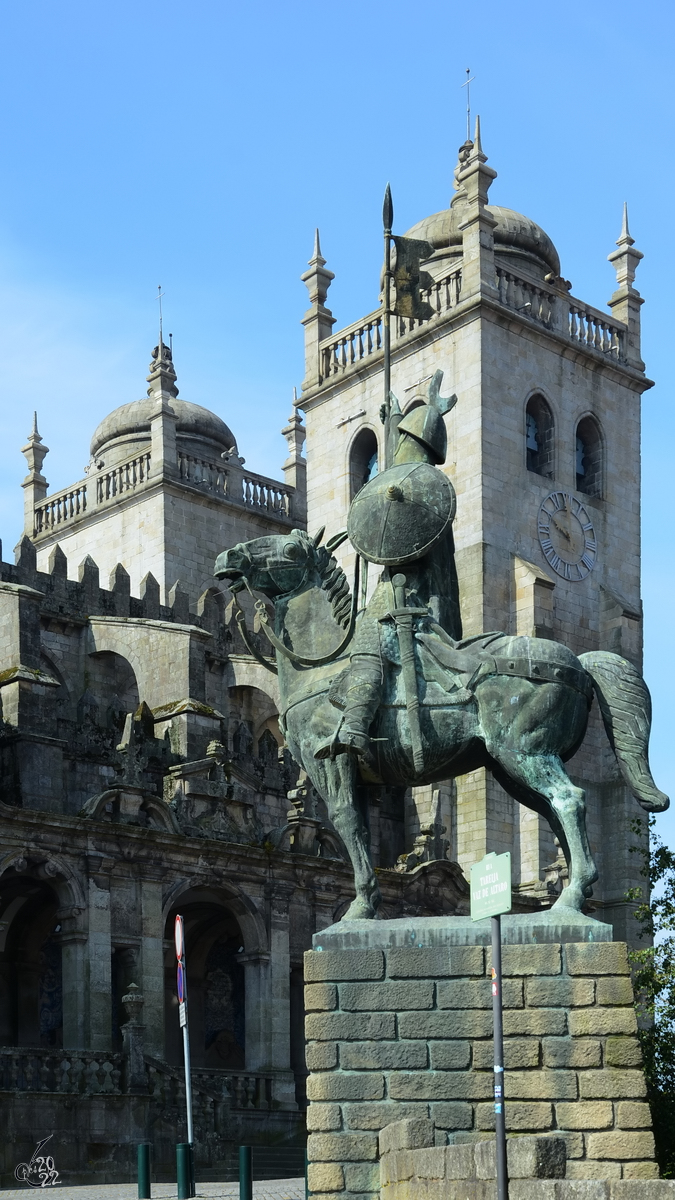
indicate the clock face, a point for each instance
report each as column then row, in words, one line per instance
column 566, row 536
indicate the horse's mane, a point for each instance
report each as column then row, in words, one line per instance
column 334, row 583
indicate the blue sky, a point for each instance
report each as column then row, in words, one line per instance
column 198, row 145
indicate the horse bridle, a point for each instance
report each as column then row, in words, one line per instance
column 299, row 659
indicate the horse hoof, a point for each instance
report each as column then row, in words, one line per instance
column 360, row 910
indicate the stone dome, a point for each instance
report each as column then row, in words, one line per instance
column 131, row 420
column 514, row 234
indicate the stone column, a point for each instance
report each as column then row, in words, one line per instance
column 135, row 1078
column 98, row 952
column 256, row 991
column 279, row 1004
column 152, row 963
column 73, row 941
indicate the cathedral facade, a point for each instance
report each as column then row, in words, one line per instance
column 144, row 772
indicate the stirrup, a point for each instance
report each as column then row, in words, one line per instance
column 344, row 741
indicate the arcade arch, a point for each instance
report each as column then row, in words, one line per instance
column 223, row 934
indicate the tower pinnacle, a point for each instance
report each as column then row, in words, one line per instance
column 318, row 320
column 162, row 377
column 34, row 485
column 626, row 300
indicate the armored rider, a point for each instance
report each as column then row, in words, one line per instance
column 402, row 520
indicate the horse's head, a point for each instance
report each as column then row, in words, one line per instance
column 274, row 565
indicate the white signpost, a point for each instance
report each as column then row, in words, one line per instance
column 490, row 897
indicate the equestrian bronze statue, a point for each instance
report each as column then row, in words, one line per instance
column 395, row 695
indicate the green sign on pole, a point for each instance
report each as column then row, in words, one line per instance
column 491, row 886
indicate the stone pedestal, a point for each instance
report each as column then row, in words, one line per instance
column 399, row 1025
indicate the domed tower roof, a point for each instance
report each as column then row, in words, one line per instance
column 516, row 236
column 514, row 233
column 126, row 426
column 134, row 418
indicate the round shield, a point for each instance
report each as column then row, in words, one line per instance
column 400, row 515
column 180, row 982
column 178, row 937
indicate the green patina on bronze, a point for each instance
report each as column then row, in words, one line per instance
column 407, row 700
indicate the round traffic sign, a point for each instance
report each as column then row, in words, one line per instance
column 180, row 982
column 178, row 937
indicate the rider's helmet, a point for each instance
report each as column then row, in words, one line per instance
column 426, row 425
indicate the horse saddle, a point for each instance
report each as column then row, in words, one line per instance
column 455, row 666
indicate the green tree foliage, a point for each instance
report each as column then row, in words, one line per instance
column 654, row 981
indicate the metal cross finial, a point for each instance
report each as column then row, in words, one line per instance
column 160, row 293
column 467, row 84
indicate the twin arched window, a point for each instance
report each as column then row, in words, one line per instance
column 539, row 447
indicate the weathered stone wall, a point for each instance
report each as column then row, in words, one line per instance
column 407, row 1031
column 411, row 1165
column 173, row 530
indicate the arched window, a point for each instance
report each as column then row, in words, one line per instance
column 539, row 437
column 362, row 460
column 588, row 455
column 268, row 747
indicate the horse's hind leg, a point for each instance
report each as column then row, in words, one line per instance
column 337, row 782
column 545, row 779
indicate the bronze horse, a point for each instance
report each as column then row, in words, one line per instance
column 527, row 715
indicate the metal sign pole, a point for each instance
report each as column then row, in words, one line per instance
column 490, row 897
column 181, row 979
column 500, row 1121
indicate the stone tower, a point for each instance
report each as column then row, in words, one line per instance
column 164, row 487
column 547, row 415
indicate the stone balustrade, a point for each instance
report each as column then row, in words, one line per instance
column 574, row 319
column 125, row 477
column 265, row 495
column 255, row 492
column 202, row 472
column 64, row 506
column 526, row 297
column 592, row 328
column 35, row 1069
column 84, row 1072
column 240, row 1089
column 360, row 341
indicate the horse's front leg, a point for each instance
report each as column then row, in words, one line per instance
column 337, row 782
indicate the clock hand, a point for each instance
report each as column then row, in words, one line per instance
column 561, row 529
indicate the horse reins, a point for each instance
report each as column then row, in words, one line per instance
column 277, row 644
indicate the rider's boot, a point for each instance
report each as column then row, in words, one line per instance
column 362, row 702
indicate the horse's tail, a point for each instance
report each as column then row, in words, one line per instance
column 626, row 709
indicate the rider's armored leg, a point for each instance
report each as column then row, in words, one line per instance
column 362, row 701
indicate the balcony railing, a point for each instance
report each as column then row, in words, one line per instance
column 86, row 1073
column 83, row 1072
column 363, row 339
column 255, row 492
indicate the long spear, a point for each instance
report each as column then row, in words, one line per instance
column 387, row 221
